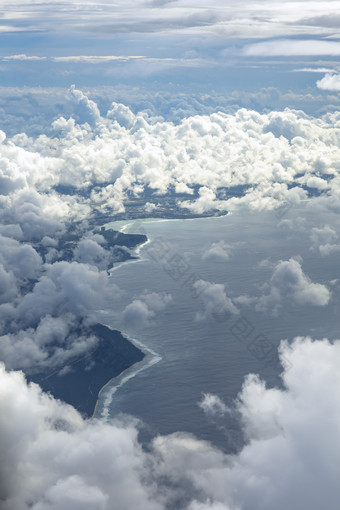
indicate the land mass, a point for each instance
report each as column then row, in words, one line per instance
column 80, row 380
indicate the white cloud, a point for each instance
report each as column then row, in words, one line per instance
column 138, row 313
column 279, row 424
column 323, row 240
column 89, row 251
column 127, row 152
column 55, row 459
column 245, row 19
column 212, row 405
column 289, row 47
column 331, row 81
column 88, row 109
column 96, row 59
column 22, row 56
column 327, row 249
column 50, row 345
column 216, row 303
column 65, row 287
column 218, row 251
column 52, row 457
column 314, row 70
column 288, row 281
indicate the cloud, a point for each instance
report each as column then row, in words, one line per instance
column 138, row 313
column 54, row 180
column 218, row 251
column 290, row 47
column 96, row 59
column 122, row 114
column 212, row 405
column 103, row 153
column 243, row 20
column 87, row 109
column 323, row 239
column 68, row 457
column 51, row 344
column 65, row 287
column 22, row 57
column 329, row 20
column 205, row 201
column 314, row 70
column 279, row 424
column 216, row 304
column 53, row 457
column 288, row 281
column 89, row 251
column 18, row 104
column 12, row 28
column 327, row 249
column 331, row 81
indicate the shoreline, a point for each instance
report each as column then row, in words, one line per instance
column 150, row 358
column 122, row 225
column 81, row 380
column 107, row 392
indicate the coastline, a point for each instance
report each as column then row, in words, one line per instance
column 105, row 395
column 107, row 392
column 80, row 381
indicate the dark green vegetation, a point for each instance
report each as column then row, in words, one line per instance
column 79, row 381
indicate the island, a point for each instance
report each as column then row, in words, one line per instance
column 79, row 381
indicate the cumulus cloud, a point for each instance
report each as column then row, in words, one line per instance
column 87, row 109
column 74, row 463
column 324, row 240
column 288, row 281
column 112, row 156
column 219, row 251
column 98, row 161
column 291, row 458
column 216, row 303
column 279, row 424
column 212, row 405
column 45, row 309
column 49, row 345
column 90, row 251
column 327, row 249
column 53, row 182
column 140, row 311
column 331, row 81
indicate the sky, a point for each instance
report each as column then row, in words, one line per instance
column 224, row 45
column 116, row 99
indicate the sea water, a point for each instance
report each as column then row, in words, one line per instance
column 191, row 353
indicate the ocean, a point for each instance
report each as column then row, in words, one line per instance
column 192, row 349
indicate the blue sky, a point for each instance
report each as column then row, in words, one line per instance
column 224, row 45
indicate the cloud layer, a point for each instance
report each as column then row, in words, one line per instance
column 289, row 282
column 95, row 162
column 278, row 158
column 237, row 20
column 53, row 458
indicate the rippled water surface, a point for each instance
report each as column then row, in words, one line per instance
column 214, row 354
